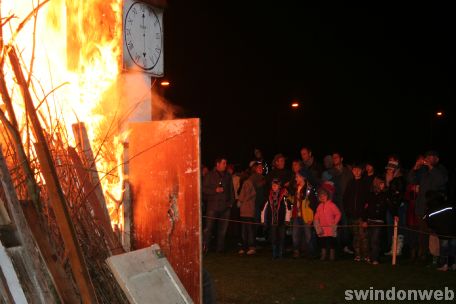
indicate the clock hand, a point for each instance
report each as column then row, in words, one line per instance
column 144, row 35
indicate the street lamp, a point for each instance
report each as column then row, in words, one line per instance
column 436, row 120
column 295, row 103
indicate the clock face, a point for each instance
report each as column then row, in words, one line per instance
column 143, row 35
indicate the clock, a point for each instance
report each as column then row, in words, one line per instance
column 143, row 38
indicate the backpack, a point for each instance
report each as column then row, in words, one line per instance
column 307, row 212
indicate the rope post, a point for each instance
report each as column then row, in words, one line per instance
column 394, row 253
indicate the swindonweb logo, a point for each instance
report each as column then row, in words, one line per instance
column 394, row 294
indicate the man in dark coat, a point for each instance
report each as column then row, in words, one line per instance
column 433, row 178
column 279, row 171
column 219, row 191
column 354, row 201
column 314, row 168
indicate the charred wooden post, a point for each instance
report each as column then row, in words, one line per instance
column 100, row 216
column 86, row 153
column 126, row 202
column 42, row 287
column 56, row 195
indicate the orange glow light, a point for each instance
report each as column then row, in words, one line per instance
column 77, row 77
column 165, row 83
column 295, row 105
column 439, row 113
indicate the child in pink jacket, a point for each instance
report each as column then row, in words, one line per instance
column 325, row 221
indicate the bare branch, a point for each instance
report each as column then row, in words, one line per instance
column 32, row 59
column 1, row 29
column 20, row 27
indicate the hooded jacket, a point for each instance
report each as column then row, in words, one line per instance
column 276, row 208
column 326, row 219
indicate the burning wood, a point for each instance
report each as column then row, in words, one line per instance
column 83, row 145
column 99, row 210
column 66, row 237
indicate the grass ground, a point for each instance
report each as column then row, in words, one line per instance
column 259, row 279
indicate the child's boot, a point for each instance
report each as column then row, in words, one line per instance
column 275, row 251
column 323, row 254
column 332, row 254
column 295, row 254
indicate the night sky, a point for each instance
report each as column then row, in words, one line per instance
column 369, row 80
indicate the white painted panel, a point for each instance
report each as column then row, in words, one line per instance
column 12, row 280
column 146, row 276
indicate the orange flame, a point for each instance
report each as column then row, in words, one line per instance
column 75, row 64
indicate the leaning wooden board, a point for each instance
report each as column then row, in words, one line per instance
column 164, row 174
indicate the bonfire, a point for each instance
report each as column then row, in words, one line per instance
column 62, row 136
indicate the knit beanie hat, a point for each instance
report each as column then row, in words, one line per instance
column 392, row 164
column 328, row 188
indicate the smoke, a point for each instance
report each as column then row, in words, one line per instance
column 134, row 98
column 162, row 109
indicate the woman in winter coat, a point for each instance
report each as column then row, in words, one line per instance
column 251, row 194
column 304, row 204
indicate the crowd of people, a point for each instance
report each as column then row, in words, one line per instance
column 330, row 207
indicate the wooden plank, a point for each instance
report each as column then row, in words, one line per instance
column 100, row 216
column 4, row 217
column 63, row 219
column 18, row 259
column 36, row 268
column 5, row 294
column 62, row 280
column 11, row 288
column 164, row 175
column 9, row 236
column 57, row 198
